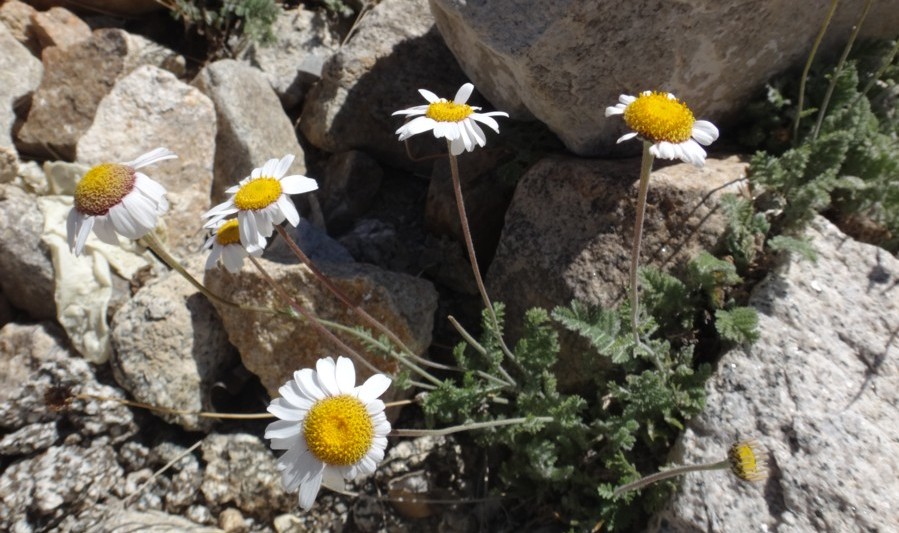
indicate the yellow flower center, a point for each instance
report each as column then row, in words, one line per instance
column 444, row 111
column 103, row 187
column 257, row 194
column 745, row 462
column 338, row 430
column 228, row 233
column 658, row 117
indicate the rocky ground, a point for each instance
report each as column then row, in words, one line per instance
column 109, row 80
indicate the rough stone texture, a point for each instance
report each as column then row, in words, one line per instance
column 351, row 182
column 303, row 42
column 148, row 108
column 819, row 390
column 569, row 232
column 59, row 483
column 241, row 472
column 394, row 49
column 169, row 348
column 76, row 79
column 131, row 520
column 20, row 74
column 59, row 27
column 25, row 261
column 273, row 347
column 16, row 16
column 252, row 126
column 9, row 164
column 564, row 61
column 22, row 349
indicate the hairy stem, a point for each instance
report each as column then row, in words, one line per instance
column 466, row 427
column 643, row 191
column 666, row 474
column 808, row 66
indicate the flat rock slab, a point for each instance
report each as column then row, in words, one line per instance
column 819, row 390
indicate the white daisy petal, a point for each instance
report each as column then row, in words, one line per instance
column 345, row 373
column 487, row 120
column 285, row 411
column 213, row 256
column 705, row 132
column 415, row 126
column 626, row 137
column 282, row 429
column 283, row 165
column 153, row 156
column 372, row 388
column 298, row 184
column 309, row 490
column 429, row 96
column 463, row 94
column 327, row 375
column 84, row 229
column 104, row 231
column 232, row 257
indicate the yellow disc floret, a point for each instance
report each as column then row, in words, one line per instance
column 258, row 194
column 444, row 111
column 747, row 462
column 658, row 117
column 103, row 187
column 338, row 430
column 228, row 233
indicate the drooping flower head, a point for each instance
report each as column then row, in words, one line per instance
column 331, row 429
column 666, row 122
column 261, row 201
column 225, row 244
column 747, row 461
column 115, row 198
column 456, row 120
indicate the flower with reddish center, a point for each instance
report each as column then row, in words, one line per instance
column 225, row 244
column 331, row 429
column 261, row 201
column 456, row 120
column 666, row 122
column 115, row 198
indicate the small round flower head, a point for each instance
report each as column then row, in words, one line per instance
column 115, row 198
column 747, row 461
column 456, row 120
column 261, row 201
column 330, row 428
column 225, row 244
column 667, row 123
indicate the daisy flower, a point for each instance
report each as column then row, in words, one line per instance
column 667, row 123
column 748, row 461
column 115, row 198
column 261, row 201
column 456, row 120
column 330, row 428
column 225, row 244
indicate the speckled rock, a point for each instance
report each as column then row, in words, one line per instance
column 27, row 279
column 564, row 61
column 241, row 472
column 76, row 79
column 20, row 75
column 132, row 520
column 569, row 231
column 170, row 348
column 61, row 482
column 394, row 49
column 303, row 42
column 149, row 108
column 819, row 390
column 252, row 125
column 273, row 347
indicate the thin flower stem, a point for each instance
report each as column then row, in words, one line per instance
column 642, row 193
column 311, row 319
column 472, row 257
column 507, row 380
column 170, row 411
column 666, row 474
column 335, row 290
column 839, row 68
column 808, row 66
column 466, row 427
column 156, row 474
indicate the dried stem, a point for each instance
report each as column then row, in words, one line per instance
column 666, row 474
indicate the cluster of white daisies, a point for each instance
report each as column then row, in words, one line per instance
column 330, row 428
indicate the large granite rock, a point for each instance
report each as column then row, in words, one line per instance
column 20, row 74
column 252, row 125
column 59, row 27
column 569, row 233
column 564, row 61
column 76, row 79
column 16, row 16
column 27, row 279
column 169, row 348
column 819, row 390
column 394, row 50
column 149, row 108
column 304, row 40
column 273, row 346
